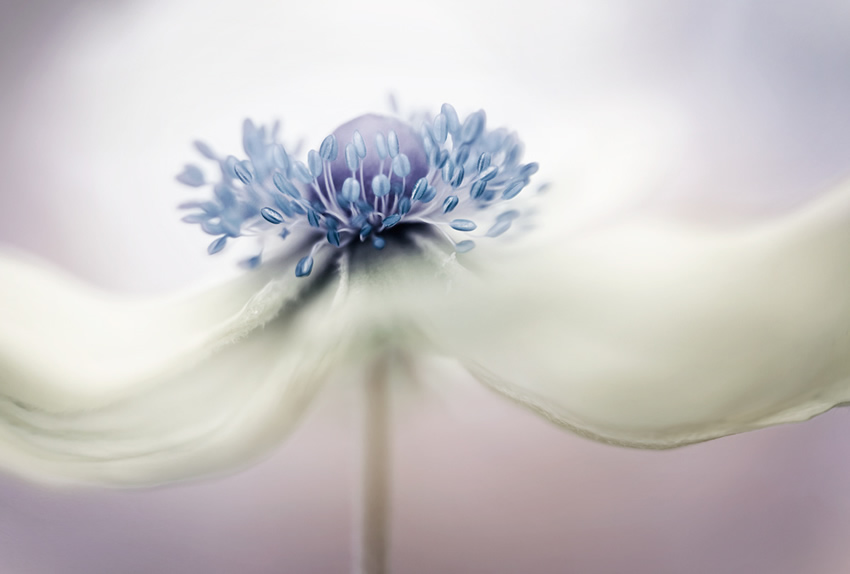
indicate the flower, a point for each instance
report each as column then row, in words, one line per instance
column 620, row 323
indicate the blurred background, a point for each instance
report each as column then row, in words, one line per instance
column 728, row 112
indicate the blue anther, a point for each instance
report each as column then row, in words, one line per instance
column 513, row 155
column 489, row 173
column 404, row 205
column 397, row 188
column 350, row 189
column 448, row 171
column 224, row 195
column 464, row 246
column 205, row 150
column 284, row 205
column 281, row 160
column 333, row 237
column 401, row 165
column 211, row 227
column 378, row 242
column 390, row 221
column 472, row 127
column 452, row 122
column 461, row 154
column 314, row 160
column 312, row 218
column 429, row 140
column 499, row 227
column 442, row 158
column 510, row 215
column 450, row 203
column 329, row 148
column 191, row 176
column 271, row 215
column 195, row 218
column 252, row 262
column 440, row 129
column 528, row 169
column 209, row 207
column 381, row 145
column 462, row 224
column 392, row 143
column 513, row 189
column 380, row 185
column 244, row 171
column 457, row 177
column 285, row 186
column 296, row 207
column 304, row 266
column 301, row 172
column 331, row 222
column 430, row 194
column 484, row 161
column 252, row 139
column 365, row 231
column 420, row 188
column 217, row 245
column 228, row 166
column 352, row 160
column 359, row 144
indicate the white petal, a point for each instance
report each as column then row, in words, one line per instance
column 652, row 334
column 98, row 389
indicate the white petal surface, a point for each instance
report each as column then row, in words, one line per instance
column 99, row 389
column 652, row 334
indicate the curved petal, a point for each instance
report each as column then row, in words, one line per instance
column 655, row 335
column 99, row 389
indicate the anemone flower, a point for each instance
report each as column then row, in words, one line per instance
column 584, row 303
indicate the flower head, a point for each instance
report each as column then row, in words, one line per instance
column 373, row 178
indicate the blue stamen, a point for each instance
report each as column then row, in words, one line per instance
column 392, row 143
column 191, row 176
column 352, row 159
column 217, row 245
column 314, row 161
column 463, row 224
column 350, row 189
column 484, row 161
column 381, row 145
column 401, row 165
column 499, row 228
column 390, row 221
column 244, row 172
column 464, row 246
column 328, row 150
column 271, row 215
column 301, row 172
column 359, row 196
column 333, row 237
column 380, row 185
column 304, row 266
column 359, row 144
column 450, row 203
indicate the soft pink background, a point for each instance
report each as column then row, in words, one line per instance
column 481, row 485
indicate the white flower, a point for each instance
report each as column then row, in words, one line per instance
column 611, row 317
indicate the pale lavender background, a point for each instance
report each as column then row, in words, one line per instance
column 480, row 485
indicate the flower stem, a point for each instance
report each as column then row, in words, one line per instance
column 373, row 542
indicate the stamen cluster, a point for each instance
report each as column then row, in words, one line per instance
column 370, row 176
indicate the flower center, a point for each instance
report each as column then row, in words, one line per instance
column 371, row 175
